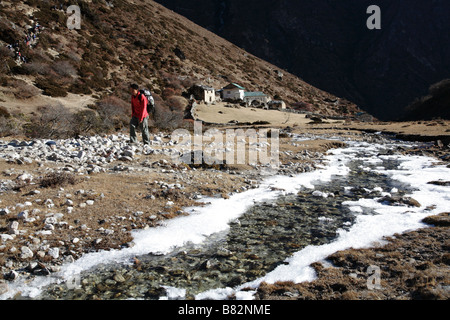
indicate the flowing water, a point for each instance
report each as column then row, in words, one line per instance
column 261, row 239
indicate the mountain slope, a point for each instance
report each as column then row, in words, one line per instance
column 134, row 41
column 434, row 105
column 327, row 44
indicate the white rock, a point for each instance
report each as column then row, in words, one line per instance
column 6, row 237
column 23, row 215
column 44, row 232
column 26, row 177
column 13, row 227
column 58, row 215
column 53, row 252
column 108, row 232
column 50, row 220
column 26, row 253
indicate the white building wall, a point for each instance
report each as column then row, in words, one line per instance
column 210, row 96
column 236, row 94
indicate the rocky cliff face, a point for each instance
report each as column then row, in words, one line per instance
column 328, row 44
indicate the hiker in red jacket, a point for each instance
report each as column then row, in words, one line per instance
column 139, row 115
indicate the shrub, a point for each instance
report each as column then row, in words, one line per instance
column 38, row 68
column 51, row 121
column 167, row 93
column 57, row 179
column 6, row 53
column 64, row 68
column 51, row 88
column 4, row 113
column 165, row 119
column 23, row 90
column 80, row 87
column 86, row 122
column 8, row 126
column 108, row 115
column 177, row 103
column 114, row 112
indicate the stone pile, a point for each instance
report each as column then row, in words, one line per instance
column 82, row 154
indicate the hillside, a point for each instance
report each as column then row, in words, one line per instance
column 327, row 44
column 434, row 105
column 89, row 70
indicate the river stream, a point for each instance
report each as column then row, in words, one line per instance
column 261, row 239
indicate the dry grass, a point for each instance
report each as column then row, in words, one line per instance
column 123, row 201
column 414, row 266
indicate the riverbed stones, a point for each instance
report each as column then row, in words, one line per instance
column 3, row 287
column 119, row 277
column 398, row 200
column 222, row 262
column 53, row 252
column 13, row 227
column 26, row 253
column 6, row 237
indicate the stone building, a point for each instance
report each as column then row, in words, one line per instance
column 203, row 93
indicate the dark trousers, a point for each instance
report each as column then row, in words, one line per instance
column 143, row 126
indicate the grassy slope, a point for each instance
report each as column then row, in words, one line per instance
column 135, row 41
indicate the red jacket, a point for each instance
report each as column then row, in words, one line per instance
column 139, row 107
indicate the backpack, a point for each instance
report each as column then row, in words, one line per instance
column 151, row 101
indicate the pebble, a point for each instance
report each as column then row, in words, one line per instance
column 26, row 253
column 23, row 215
column 119, row 278
column 13, row 227
column 54, row 253
column 6, row 237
